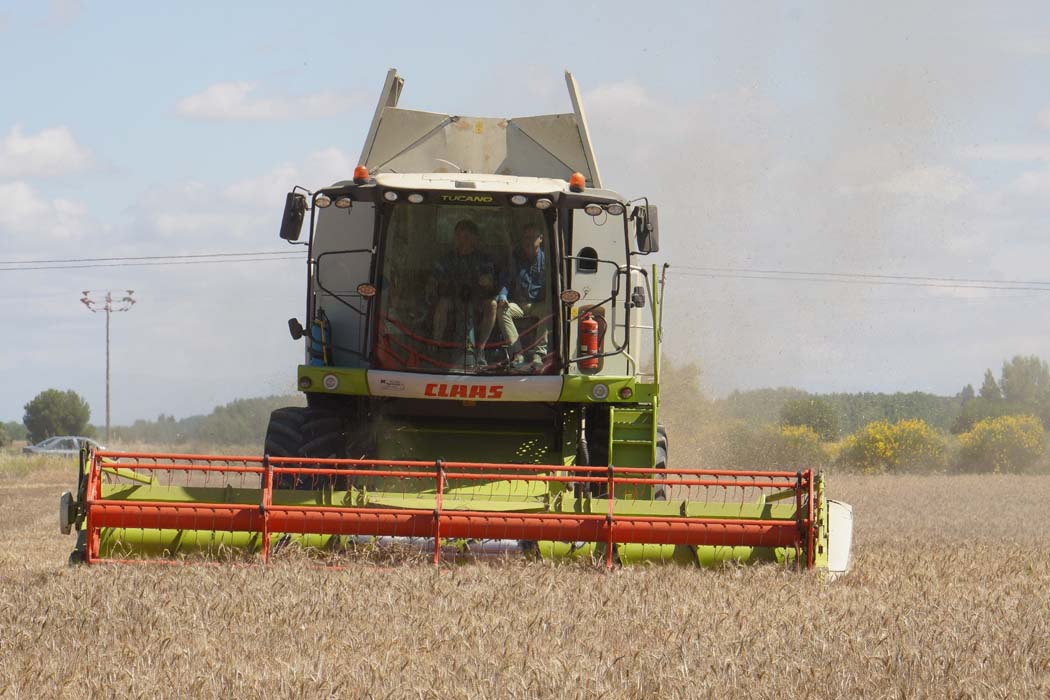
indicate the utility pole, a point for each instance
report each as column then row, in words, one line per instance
column 109, row 304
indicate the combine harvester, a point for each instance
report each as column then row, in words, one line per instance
column 482, row 375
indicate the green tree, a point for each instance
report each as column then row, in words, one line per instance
column 812, row 412
column 1026, row 380
column 990, row 388
column 5, row 439
column 973, row 412
column 55, row 412
column 854, row 411
column 240, row 422
column 967, row 393
column 758, row 406
column 16, row 431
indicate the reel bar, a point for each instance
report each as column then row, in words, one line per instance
column 205, row 463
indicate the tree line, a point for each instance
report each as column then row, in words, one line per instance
column 240, row 422
column 1000, row 428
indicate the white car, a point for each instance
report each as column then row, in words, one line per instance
column 61, row 445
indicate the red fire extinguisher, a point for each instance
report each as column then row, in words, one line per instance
column 588, row 341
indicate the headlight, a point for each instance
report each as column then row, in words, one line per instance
column 543, row 203
column 390, row 196
column 600, row 392
column 322, row 201
column 415, row 198
column 331, row 382
column 615, row 209
column 518, row 199
column 593, row 209
column 343, row 203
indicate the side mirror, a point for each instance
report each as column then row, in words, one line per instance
column 295, row 329
column 647, row 229
column 292, row 221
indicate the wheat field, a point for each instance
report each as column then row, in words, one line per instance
column 949, row 597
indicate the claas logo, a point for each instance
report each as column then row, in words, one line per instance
column 464, row 391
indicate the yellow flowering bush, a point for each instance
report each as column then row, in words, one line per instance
column 881, row 447
column 1000, row 445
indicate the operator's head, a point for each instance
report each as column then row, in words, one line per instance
column 465, row 236
column 530, row 240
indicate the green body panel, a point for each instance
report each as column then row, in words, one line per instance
column 668, row 554
column 352, row 382
column 632, row 443
column 150, row 543
column 575, row 388
column 466, row 442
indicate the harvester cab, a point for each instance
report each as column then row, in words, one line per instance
column 482, row 373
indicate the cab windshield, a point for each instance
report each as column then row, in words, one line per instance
column 466, row 289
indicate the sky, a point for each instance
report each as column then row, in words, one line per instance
column 839, row 139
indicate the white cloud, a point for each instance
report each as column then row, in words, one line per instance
column 627, row 94
column 1028, row 45
column 316, row 170
column 47, row 153
column 1010, row 152
column 242, row 213
column 937, row 182
column 23, row 212
column 64, row 12
column 1036, row 182
column 237, row 101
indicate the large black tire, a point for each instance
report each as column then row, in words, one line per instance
column 305, row 432
column 598, row 447
column 661, row 493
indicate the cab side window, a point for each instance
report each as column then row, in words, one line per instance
column 589, row 261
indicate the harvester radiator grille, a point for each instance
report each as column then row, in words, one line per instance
column 145, row 506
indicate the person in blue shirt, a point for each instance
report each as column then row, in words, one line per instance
column 523, row 293
column 464, row 281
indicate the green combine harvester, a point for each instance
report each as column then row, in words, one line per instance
column 482, row 376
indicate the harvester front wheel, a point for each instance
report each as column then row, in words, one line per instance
column 304, row 432
column 661, row 493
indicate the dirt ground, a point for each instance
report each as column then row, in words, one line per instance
column 949, row 597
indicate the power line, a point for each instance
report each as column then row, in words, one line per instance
column 90, row 266
column 861, row 275
column 146, row 257
column 842, row 279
